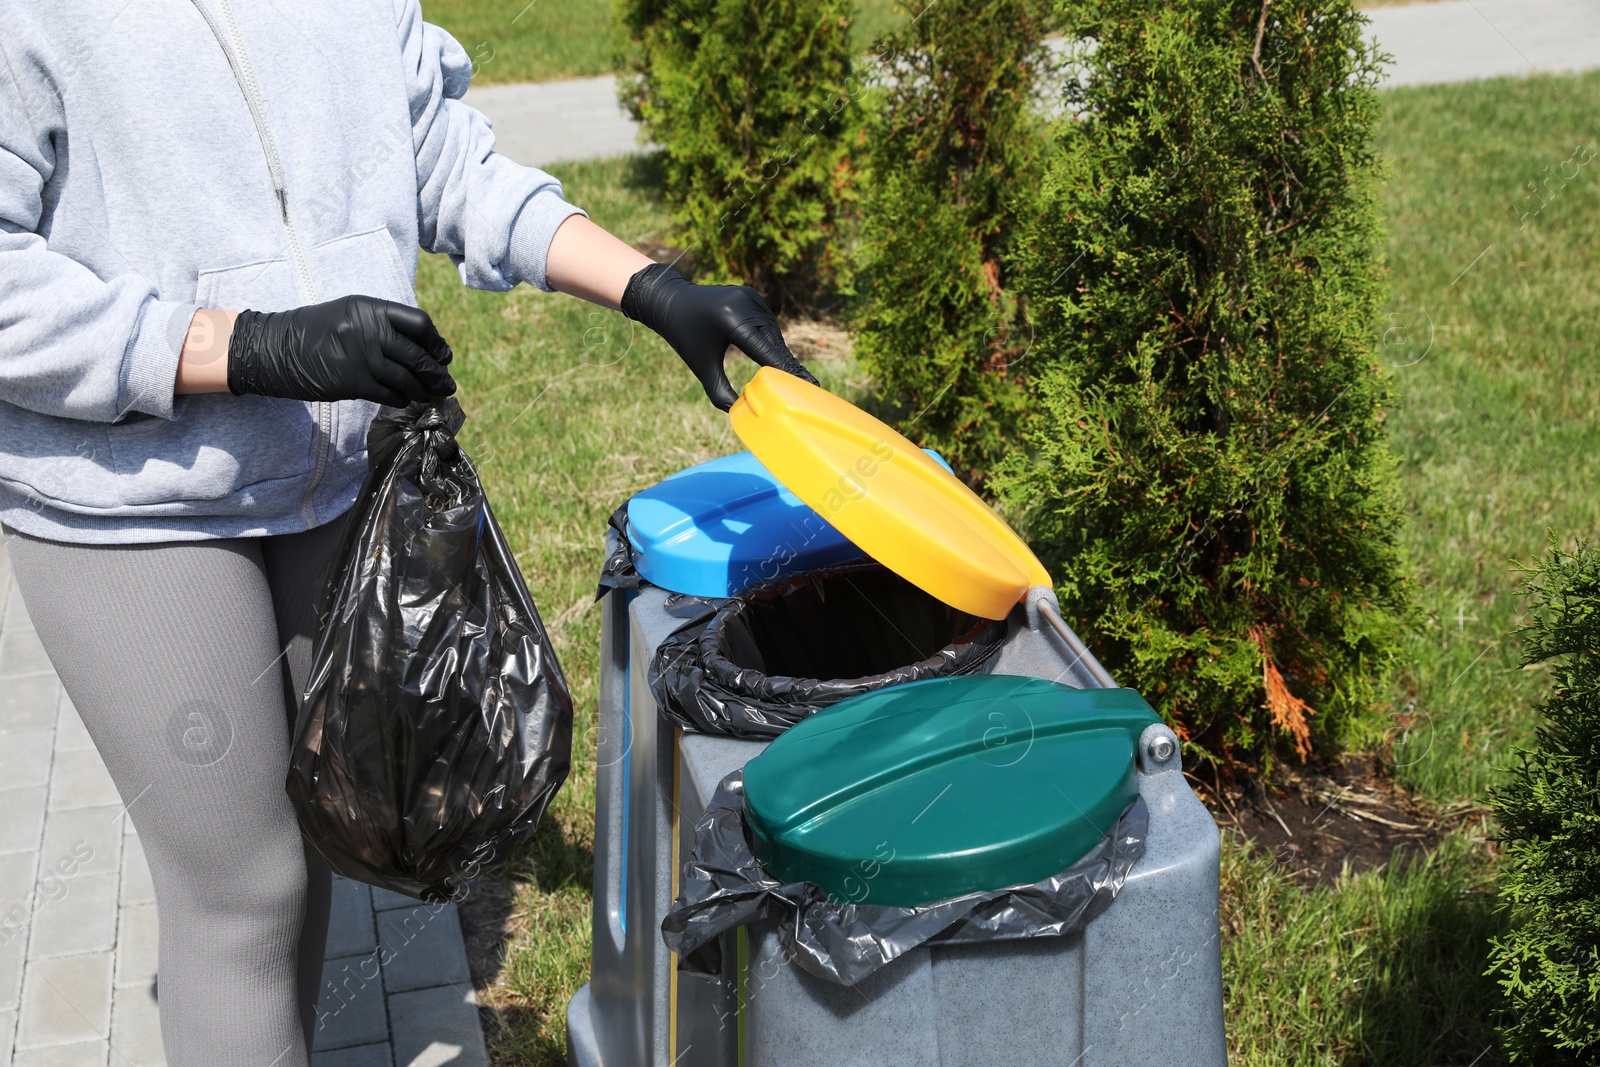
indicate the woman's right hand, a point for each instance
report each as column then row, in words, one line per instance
column 353, row 348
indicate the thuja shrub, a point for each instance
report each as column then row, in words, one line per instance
column 950, row 151
column 751, row 102
column 1205, row 463
column 1549, row 814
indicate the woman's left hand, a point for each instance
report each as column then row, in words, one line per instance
column 701, row 321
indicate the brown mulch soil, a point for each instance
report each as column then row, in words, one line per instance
column 816, row 339
column 1316, row 821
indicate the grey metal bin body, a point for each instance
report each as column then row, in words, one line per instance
column 1142, row 985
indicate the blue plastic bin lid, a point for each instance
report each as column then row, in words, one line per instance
column 721, row 526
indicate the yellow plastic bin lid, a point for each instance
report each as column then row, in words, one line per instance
column 885, row 494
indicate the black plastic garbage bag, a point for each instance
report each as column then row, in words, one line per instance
column 436, row 725
column 618, row 571
column 724, row 887
column 756, row 664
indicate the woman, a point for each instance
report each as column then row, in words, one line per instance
column 209, row 213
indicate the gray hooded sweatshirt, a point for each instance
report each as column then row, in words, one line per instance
column 157, row 156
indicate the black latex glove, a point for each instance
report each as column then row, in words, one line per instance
column 701, row 321
column 353, row 348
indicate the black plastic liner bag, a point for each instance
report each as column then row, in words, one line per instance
column 618, row 571
column 754, row 665
column 725, row 886
column 436, row 725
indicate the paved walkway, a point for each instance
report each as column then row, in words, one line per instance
column 78, row 914
column 1455, row 40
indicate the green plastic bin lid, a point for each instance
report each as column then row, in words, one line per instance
column 934, row 789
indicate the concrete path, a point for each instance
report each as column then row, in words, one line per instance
column 1455, row 40
column 1464, row 40
column 553, row 122
column 78, row 920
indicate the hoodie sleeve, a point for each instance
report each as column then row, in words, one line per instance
column 72, row 344
column 495, row 218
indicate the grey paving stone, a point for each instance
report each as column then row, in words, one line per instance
column 13, row 952
column 95, row 832
column 136, row 1029
column 21, row 818
column 350, row 927
column 137, row 885
column 8, row 1030
column 383, row 900
column 16, row 914
column 71, row 734
column 437, row 1026
column 361, row 1056
column 16, row 880
column 66, row 999
column 25, row 757
column 83, row 918
column 421, row 948
column 16, row 615
column 78, row 1054
column 350, row 1010
column 21, row 653
column 81, row 780
column 29, row 703
column 137, row 944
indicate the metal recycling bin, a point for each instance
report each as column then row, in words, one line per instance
column 1141, row 984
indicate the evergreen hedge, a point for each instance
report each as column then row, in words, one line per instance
column 1549, row 814
column 952, row 149
column 1206, row 465
column 752, row 102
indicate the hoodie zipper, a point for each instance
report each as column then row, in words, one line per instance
column 232, row 43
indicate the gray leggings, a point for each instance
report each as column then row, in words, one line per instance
column 183, row 659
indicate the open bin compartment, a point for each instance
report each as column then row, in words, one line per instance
column 762, row 661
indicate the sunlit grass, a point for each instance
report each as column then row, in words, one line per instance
column 1497, row 416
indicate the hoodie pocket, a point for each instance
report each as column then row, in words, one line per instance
column 220, row 445
column 361, row 264
column 217, row 444
column 264, row 285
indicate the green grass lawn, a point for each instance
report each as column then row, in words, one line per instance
column 1497, row 418
column 519, row 41
column 571, row 410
